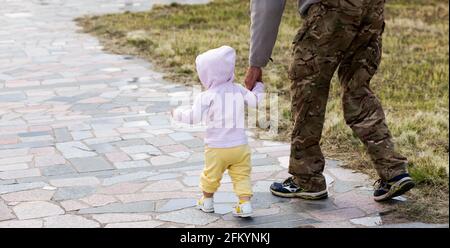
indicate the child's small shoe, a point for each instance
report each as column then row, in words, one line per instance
column 243, row 209
column 206, row 204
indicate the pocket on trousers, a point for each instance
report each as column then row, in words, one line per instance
column 304, row 64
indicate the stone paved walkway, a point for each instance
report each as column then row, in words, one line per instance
column 86, row 140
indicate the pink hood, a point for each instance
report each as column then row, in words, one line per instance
column 216, row 66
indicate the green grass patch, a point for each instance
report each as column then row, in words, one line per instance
column 412, row 82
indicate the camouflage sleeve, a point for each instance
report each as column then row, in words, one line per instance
column 265, row 21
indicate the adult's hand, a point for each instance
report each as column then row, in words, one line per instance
column 254, row 74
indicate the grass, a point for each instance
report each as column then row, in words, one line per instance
column 412, row 82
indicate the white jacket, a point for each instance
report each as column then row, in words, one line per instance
column 222, row 105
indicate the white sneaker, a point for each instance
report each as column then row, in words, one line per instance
column 206, row 204
column 243, row 209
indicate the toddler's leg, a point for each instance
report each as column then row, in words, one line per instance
column 213, row 172
column 210, row 178
column 240, row 174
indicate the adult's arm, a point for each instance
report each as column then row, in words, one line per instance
column 265, row 21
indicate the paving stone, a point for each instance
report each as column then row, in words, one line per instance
column 369, row 221
column 141, row 149
column 140, row 224
column 103, row 148
column 117, row 156
column 62, row 135
column 181, row 155
column 188, row 216
column 415, row 225
column 284, row 161
column 42, row 151
column 130, row 142
column 90, row 164
column 347, row 175
column 81, row 135
column 68, row 193
column 275, row 220
column 140, row 156
column 75, row 181
column 196, row 157
column 96, row 200
column 339, row 214
column 153, row 196
column 177, row 204
column 7, row 182
column 21, row 224
column 15, row 160
column 266, row 199
column 13, row 167
column 69, row 221
column 353, row 199
column 36, row 209
column 173, row 148
column 48, row 160
column 71, row 205
column 333, row 224
column 133, row 207
column 343, row 186
column 20, row 152
column 192, row 143
column 127, row 177
column 20, row 186
column 136, row 124
column 115, row 218
column 35, row 144
column 131, row 164
column 302, row 206
column 161, row 141
column 262, row 186
column 225, row 197
column 29, row 195
column 20, row 174
column 285, row 224
column 191, row 180
column 164, row 160
column 273, row 149
column 265, row 212
column 56, row 170
column 5, row 212
column 164, row 185
column 75, row 149
column 180, row 136
column 163, row 176
column 121, row 188
column 36, row 138
column 223, row 208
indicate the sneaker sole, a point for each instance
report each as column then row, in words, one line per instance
column 205, row 210
column 243, row 215
column 397, row 189
column 308, row 196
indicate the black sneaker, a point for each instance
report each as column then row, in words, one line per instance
column 392, row 188
column 289, row 189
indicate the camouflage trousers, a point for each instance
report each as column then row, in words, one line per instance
column 343, row 35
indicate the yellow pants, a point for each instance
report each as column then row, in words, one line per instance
column 237, row 160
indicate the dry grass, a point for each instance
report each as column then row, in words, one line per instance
column 412, row 82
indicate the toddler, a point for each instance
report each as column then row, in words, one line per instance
column 222, row 107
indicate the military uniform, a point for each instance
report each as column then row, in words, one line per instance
column 343, row 35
